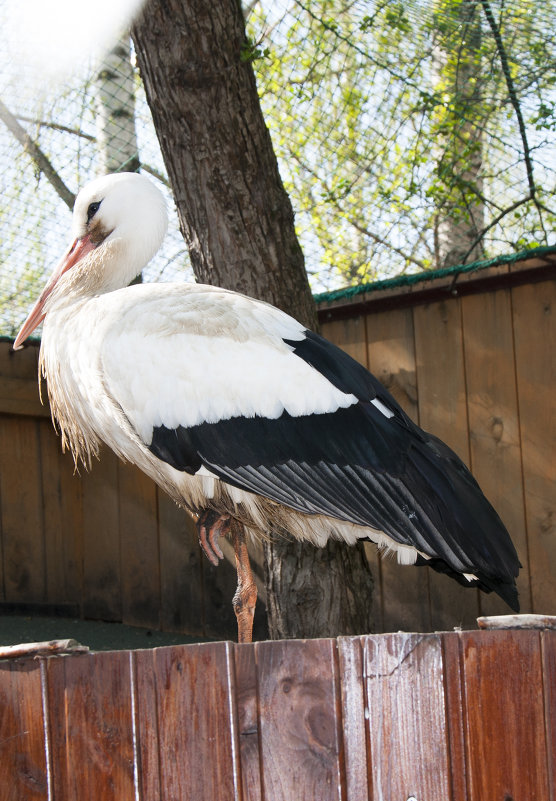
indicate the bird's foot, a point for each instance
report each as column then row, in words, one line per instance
column 210, row 527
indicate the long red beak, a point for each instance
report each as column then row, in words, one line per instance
column 75, row 253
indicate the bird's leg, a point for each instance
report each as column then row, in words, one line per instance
column 245, row 598
column 210, row 527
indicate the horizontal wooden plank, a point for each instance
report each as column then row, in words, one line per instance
column 21, row 363
column 19, row 391
column 21, row 396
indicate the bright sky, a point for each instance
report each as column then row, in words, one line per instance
column 56, row 37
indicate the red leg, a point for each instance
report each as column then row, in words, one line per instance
column 211, row 526
column 245, row 597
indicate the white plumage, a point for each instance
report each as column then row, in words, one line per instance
column 232, row 406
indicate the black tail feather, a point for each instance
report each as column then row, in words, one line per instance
column 507, row 590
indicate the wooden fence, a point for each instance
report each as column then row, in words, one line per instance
column 465, row 716
column 472, row 361
column 105, row 545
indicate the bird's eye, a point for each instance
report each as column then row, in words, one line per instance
column 92, row 210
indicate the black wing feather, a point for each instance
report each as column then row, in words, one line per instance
column 360, row 466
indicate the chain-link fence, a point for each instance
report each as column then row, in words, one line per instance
column 409, row 135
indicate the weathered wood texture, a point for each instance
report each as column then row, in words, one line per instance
column 109, row 543
column 467, row 716
column 476, row 368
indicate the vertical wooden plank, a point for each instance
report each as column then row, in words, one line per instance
column 197, row 724
column 505, row 733
column 443, row 412
column 143, row 678
column 22, row 514
column 494, row 423
column 391, row 356
column 440, row 373
column 63, row 519
column 140, row 569
column 180, row 569
column 300, row 740
column 391, row 349
column 51, row 490
column 453, row 680
column 248, row 722
column 350, row 335
column 71, row 489
column 350, row 657
column 91, row 726
column 23, row 773
column 407, row 728
column 101, row 540
column 534, row 310
column 548, row 651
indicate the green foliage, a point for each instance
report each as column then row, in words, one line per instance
column 393, row 126
column 252, row 51
column 394, row 129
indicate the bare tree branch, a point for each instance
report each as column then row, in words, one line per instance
column 354, row 223
column 495, row 221
column 512, row 94
column 36, row 154
column 57, row 127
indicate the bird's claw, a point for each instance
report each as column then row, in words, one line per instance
column 210, row 527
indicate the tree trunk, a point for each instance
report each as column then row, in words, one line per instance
column 238, row 223
column 115, row 104
column 459, row 139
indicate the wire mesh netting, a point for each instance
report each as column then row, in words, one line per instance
column 410, row 136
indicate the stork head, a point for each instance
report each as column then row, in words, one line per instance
column 119, row 222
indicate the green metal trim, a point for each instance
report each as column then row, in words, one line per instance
column 429, row 275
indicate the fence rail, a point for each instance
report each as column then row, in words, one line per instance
column 463, row 715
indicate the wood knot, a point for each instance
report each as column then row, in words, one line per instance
column 497, row 428
column 547, row 522
column 320, row 724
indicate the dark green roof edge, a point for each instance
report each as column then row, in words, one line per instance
column 429, row 275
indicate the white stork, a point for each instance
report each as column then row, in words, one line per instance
column 240, row 413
